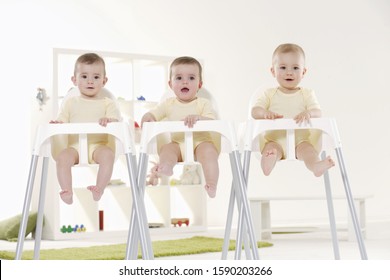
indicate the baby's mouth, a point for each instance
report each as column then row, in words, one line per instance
column 289, row 80
column 185, row 90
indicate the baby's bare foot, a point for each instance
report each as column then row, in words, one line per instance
column 157, row 171
column 164, row 169
column 268, row 161
column 96, row 192
column 211, row 190
column 66, row 196
column 320, row 167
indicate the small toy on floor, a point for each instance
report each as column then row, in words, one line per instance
column 76, row 228
column 180, row 221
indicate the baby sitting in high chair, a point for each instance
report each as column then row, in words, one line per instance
column 185, row 81
column 289, row 100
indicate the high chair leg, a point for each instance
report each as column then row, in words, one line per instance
column 245, row 171
column 241, row 191
column 139, row 224
column 228, row 229
column 141, row 187
column 242, row 236
column 242, row 226
column 236, row 194
column 332, row 219
column 133, row 233
column 229, row 220
column 41, row 206
column 351, row 204
column 26, row 207
column 132, row 238
column 240, row 229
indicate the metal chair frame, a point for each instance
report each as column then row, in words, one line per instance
column 41, row 148
column 226, row 129
column 328, row 126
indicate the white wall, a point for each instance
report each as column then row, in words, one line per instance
column 346, row 42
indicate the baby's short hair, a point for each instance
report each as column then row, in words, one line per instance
column 288, row 48
column 185, row 60
column 90, row 58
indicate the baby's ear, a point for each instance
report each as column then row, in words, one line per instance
column 273, row 71
column 105, row 80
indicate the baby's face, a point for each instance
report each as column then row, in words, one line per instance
column 89, row 78
column 185, row 81
column 289, row 69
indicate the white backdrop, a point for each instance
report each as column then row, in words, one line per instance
column 346, row 44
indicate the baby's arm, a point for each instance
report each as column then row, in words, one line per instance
column 305, row 116
column 148, row 117
column 261, row 113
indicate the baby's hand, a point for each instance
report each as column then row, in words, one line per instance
column 190, row 120
column 104, row 121
column 272, row 115
column 303, row 117
column 147, row 118
column 54, row 121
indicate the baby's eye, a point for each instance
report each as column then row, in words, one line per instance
column 83, row 76
column 178, row 78
column 192, row 78
column 96, row 77
column 296, row 68
column 282, row 67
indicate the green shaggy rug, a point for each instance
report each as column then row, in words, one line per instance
column 188, row 246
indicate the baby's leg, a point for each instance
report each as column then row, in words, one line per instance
column 271, row 153
column 169, row 155
column 308, row 154
column 64, row 162
column 105, row 157
column 207, row 155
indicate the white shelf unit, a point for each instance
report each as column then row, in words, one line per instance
column 84, row 210
column 162, row 202
column 183, row 201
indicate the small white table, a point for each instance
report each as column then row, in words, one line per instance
column 261, row 213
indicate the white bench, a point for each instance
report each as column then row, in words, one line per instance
column 261, row 213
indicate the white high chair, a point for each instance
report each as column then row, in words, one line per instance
column 152, row 130
column 42, row 148
column 330, row 140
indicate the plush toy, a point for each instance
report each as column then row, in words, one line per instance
column 153, row 177
column 190, row 175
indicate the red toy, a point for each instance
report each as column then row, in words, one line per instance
column 180, row 221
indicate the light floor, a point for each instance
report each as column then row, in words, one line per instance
column 301, row 246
